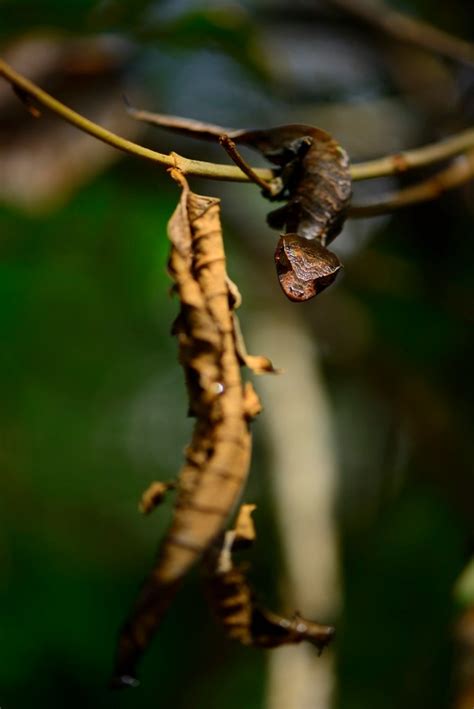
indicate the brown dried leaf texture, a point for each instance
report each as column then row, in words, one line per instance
column 218, row 457
column 233, row 599
column 315, row 179
column 154, row 496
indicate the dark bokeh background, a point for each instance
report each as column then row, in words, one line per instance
column 93, row 400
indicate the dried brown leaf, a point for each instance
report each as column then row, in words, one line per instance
column 234, row 603
column 218, row 456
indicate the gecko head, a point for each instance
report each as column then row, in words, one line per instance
column 304, row 267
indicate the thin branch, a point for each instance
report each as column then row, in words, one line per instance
column 388, row 165
column 419, row 157
column 455, row 175
column 408, row 29
column 232, row 151
column 189, row 167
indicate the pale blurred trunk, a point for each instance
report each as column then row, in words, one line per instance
column 297, row 425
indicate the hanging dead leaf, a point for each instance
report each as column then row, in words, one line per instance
column 218, row 457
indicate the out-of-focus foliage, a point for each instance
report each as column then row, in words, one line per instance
column 94, row 406
column 28, row 15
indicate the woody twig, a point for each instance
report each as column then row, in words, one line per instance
column 455, row 175
column 387, row 165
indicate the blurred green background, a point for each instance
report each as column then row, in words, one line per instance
column 94, row 406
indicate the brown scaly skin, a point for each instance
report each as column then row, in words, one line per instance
column 316, row 180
